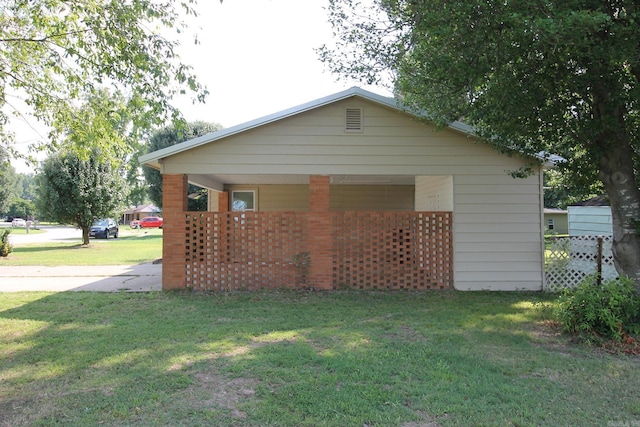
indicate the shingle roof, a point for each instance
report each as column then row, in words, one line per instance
column 602, row 200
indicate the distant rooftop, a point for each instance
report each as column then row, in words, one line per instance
column 602, row 200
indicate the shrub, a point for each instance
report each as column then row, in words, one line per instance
column 5, row 246
column 607, row 311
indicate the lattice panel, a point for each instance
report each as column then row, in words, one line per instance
column 257, row 250
column 246, row 250
column 569, row 260
column 410, row 250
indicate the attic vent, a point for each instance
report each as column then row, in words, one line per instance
column 353, row 120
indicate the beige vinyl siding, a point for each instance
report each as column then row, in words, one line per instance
column 434, row 193
column 315, row 143
column 274, row 198
column 343, row 197
column 371, row 198
column 497, row 232
column 497, row 229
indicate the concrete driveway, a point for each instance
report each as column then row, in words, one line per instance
column 113, row 278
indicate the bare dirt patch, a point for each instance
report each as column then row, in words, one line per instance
column 427, row 421
column 216, row 391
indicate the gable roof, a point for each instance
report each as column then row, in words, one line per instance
column 154, row 157
column 149, row 208
column 602, row 200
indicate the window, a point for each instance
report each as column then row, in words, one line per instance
column 353, row 120
column 550, row 223
column 243, row 200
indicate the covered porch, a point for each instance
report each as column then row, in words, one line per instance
column 320, row 245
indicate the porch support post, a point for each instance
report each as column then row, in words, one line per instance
column 320, row 234
column 174, row 206
column 223, row 201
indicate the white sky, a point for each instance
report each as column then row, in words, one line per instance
column 256, row 57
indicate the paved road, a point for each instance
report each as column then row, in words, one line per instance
column 115, row 278
column 51, row 234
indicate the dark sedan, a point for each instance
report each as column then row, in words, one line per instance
column 104, row 228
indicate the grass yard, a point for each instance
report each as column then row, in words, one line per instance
column 303, row 359
column 132, row 247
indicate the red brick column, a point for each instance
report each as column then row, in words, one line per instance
column 174, row 206
column 319, row 233
column 223, row 201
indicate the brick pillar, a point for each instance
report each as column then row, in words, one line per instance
column 174, row 206
column 223, row 201
column 319, row 233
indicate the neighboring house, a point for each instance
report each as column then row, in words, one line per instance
column 556, row 221
column 139, row 212
column 590, row 218
column 349, row 191
column 590, row 225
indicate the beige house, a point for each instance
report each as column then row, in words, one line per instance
column 556, row 221
column 349, row 191
column 138, row 212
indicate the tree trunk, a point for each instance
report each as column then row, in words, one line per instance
column 85, row 236
column 617, row 175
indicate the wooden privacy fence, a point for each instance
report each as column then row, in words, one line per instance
column 569, row 260
column 366, row 250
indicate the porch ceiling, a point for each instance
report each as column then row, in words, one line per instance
column 209, row 181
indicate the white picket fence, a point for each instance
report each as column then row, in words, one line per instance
column 569, row 260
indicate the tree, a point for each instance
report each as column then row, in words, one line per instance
column 21, row 208
column 167, row 137
column 76, row 191
column 8, row 181
column 138, row 188
column 16, row 192
column 560, row 190
column 27, row 186
column 559, row 77
column 54, row 53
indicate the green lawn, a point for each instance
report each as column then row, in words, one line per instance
column 132, row 247
column 303, row 359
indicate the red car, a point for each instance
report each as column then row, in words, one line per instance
column 151, row 222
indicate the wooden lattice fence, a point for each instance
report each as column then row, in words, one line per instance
column 569, row 260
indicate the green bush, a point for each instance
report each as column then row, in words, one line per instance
column 5, row 246
column 606, row 311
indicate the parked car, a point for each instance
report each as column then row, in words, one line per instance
column 104, row 228
column 135, row 223
column 151, row 222
column 18, row 222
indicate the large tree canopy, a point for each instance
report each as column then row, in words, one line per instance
column 56, row 54
column 555, row 76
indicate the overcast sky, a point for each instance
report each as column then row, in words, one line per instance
column 256, row 57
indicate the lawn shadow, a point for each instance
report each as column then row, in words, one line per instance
column 36, row 248
column 281, row 358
